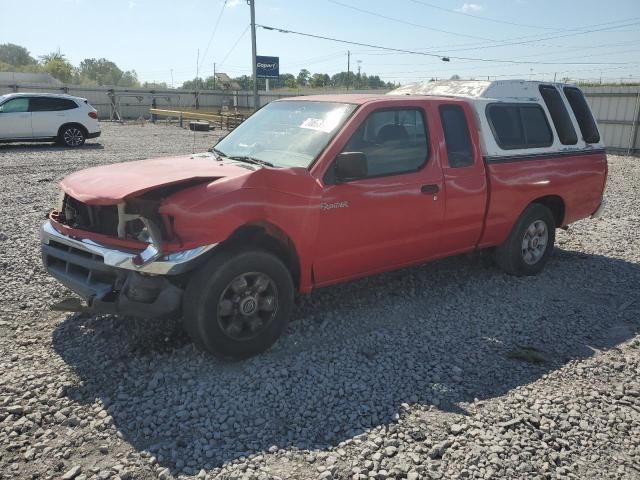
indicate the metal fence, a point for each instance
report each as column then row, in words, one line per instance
column 133, row 103
column 617, row 108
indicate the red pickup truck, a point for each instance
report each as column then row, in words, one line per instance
column 313, row 191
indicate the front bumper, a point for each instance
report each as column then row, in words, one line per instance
column 109, row 280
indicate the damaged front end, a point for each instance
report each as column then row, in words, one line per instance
column 114, row 257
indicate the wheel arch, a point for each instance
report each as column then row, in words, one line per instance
column 269, row 237
column 557, row 206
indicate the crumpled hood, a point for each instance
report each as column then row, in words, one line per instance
column 111, row 184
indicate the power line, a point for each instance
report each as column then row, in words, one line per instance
column 213, row 33
column 487, row 19
column 404, row 22
column 426, row 54
column 235, row 45
column 508, row 43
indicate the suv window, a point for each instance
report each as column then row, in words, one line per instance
column 559, row 114
column 587, row 124
column 16, row 105
column 456, row 136
column 51, row 104
column 394, row 141
column 519, row 125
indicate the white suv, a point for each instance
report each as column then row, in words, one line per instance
column 30, row 117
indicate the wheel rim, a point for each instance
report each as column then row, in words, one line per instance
column 247, row 306
column 534, row 242
column 73, row 137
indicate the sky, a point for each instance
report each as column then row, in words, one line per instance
column 159, row 39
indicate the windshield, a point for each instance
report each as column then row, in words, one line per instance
column 286, row 134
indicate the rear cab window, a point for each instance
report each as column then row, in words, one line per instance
column 456, row 136
column 581, row 111
column 519, row 125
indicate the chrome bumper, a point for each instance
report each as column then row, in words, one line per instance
column 109, row 279
column 169, row 264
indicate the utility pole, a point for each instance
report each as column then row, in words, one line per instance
column 171, row 78
column 359, row 79
column 256, row 100
column 197, row 80
column 214, row 75
column 348, row 67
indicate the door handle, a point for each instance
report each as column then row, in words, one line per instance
column 430, row 189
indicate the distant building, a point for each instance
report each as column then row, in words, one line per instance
column 226, row 83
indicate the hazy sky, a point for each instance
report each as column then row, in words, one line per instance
column 156, row 37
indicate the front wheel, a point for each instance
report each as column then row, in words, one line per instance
column 239, row 303
column 527, row 249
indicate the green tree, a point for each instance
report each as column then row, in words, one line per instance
column 100, row 71
column 287, row 80
column 57, row 65
column 15, row 55
column 319, row 80
column 303, row 77
column 129, row 79
column 59, row 68
column 155, row 85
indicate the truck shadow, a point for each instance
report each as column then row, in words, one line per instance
column 438, row 335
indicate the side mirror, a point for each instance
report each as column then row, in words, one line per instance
column 351, row 166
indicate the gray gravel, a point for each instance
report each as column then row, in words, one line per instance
column 450, row 370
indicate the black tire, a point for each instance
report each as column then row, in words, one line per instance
column 249, row 329
column 72, row 136
column 516, row 259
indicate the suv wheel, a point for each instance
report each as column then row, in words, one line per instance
column 239, row 303
column 527, row 249
column 72, row 136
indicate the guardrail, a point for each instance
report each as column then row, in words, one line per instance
column 228, row 122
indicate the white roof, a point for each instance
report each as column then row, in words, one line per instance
column 522, row 90
column 38, row 94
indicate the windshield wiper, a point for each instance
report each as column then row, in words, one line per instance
column 255, row 161
column 217, row 153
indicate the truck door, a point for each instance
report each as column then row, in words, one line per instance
column 393, row 215
column 465, row 181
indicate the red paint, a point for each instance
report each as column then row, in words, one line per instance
column 388, row 223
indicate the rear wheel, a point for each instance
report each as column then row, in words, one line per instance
column 72, row 136
column 239, row 303
column 527, row 249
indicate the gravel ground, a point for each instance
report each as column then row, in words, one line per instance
column 449, row 370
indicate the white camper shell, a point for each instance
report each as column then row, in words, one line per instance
column 512, row 115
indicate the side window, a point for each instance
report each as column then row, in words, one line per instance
column 519, row 125
column 17, row 105
column 67, row 104
column 587, row 124
column 394, row 141
column 536, row 128
column 559, row 114
column 49, row 104
column 456, row 136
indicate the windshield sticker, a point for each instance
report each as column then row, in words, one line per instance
column 317, row 124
